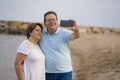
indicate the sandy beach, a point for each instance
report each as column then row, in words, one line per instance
column 94, row 56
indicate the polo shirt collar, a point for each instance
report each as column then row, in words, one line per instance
column 57, row 31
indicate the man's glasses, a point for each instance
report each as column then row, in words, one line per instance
column 49, row 20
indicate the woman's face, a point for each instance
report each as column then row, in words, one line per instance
column 36, row 33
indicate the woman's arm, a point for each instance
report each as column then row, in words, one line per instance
column 18, row 65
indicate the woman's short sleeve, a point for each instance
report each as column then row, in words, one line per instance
column 23, row 48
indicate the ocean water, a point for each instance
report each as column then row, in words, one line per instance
column 8, row 46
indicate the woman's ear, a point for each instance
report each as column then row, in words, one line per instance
column 29, row 33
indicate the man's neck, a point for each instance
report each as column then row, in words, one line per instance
column 51, row 31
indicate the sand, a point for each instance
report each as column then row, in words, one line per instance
column 96, row 57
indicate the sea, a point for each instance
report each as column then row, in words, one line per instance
column 8, row 46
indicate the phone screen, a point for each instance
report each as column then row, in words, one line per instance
column 66, row 23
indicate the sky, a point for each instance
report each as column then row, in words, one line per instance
column 85, row 12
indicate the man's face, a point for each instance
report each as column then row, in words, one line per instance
column 51, row 21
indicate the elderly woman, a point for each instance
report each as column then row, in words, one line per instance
column 30, row 61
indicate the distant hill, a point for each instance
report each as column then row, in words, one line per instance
column 19, row 27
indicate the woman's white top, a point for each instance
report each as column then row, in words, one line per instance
column 34, row 64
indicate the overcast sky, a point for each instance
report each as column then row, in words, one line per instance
column 85, row 12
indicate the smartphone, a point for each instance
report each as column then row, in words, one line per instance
column 66, row 23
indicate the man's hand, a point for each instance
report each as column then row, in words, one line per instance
column 75, row 26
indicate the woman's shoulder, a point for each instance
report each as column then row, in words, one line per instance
column 24, row 42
